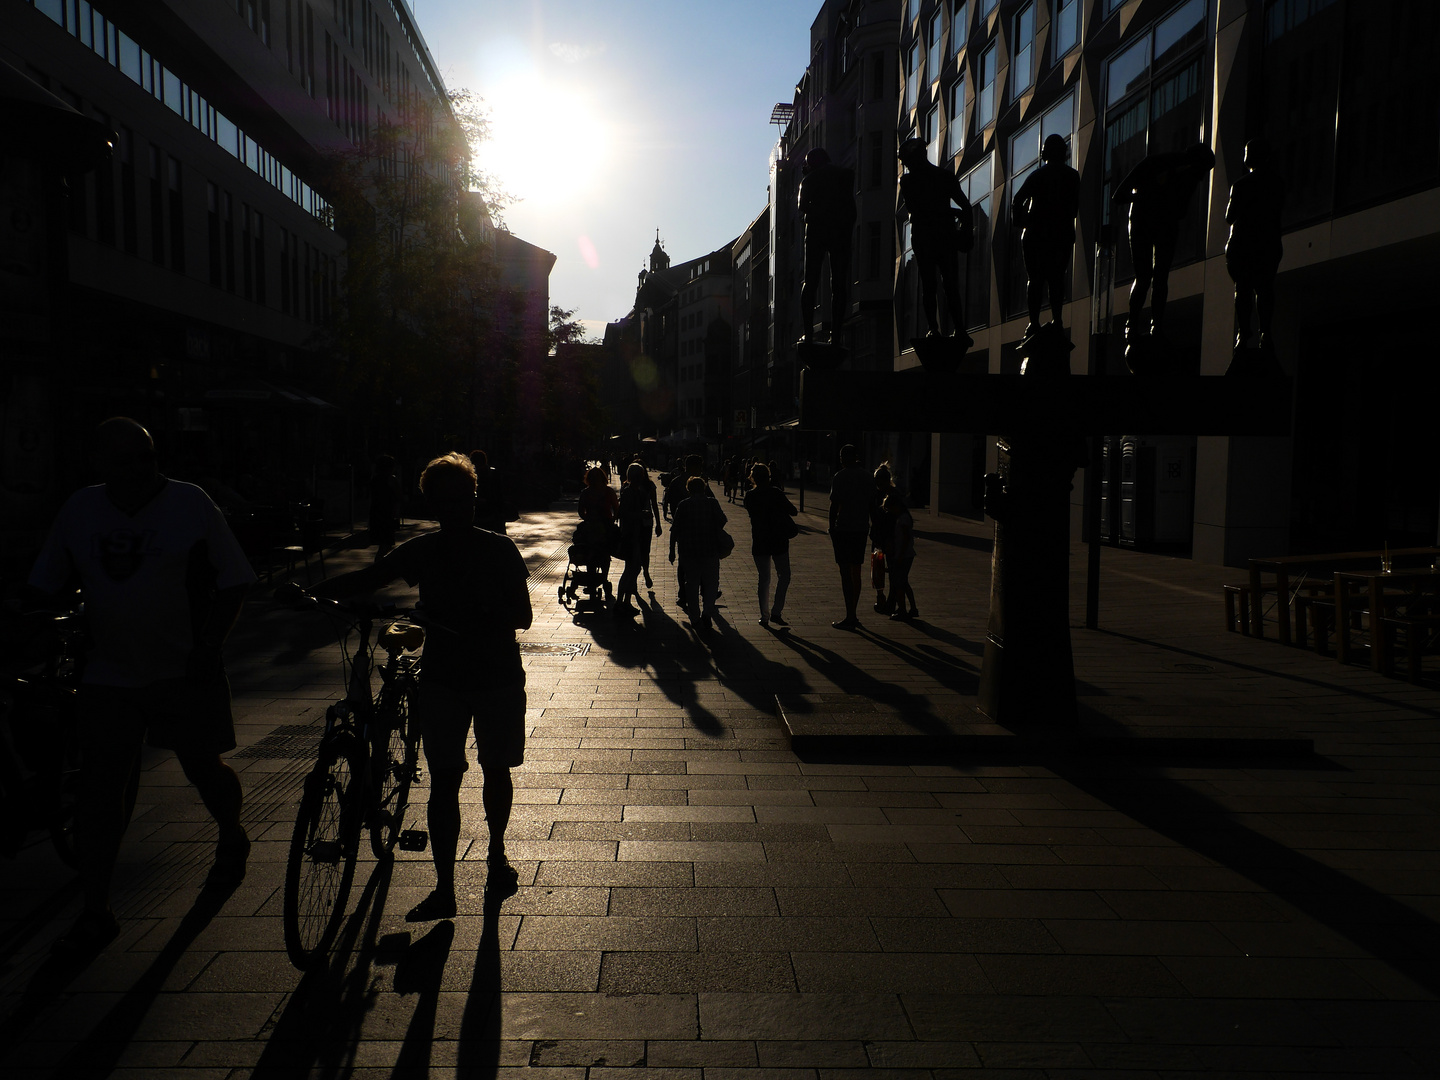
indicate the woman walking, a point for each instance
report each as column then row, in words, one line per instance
column 772, row 525
column 902, row 557
column 637, row 500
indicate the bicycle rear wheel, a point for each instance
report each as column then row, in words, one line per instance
column 321, row 864
column 393, row 755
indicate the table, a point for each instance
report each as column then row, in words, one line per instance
column 1324, row 565
column 1382, row 590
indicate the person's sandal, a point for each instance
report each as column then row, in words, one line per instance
column 91, row 932
column 433, row 907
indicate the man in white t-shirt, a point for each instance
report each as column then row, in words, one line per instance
column 163, row 580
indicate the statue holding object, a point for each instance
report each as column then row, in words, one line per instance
column 1253, row 249
column 1158, row 191
column 827, row 206
column 939, row 233
column 1045, row 207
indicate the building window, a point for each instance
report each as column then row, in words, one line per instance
column 874, row 251
column 985, row 102
column 1066, row 26
column 977, row 184
column 912, row 76
column 227, row 228
column 177, row 217
column 157, row 209
column 955, row 130
column 257, row 236
column 128, row 208
column 877, row 76
column 876, row 142
column 1022, row 67
column 959, row 27
column 987, row 7
column 932, row 134
column 937, row 32
column 212, row 209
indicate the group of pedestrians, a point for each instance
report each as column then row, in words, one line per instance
column 164, row 580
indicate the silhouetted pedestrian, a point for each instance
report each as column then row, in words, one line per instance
column 851, row 490
column 772, row 524
column 163, row 580
column 696, row 533
column 472, row 585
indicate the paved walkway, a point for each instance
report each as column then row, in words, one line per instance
column 699, row 902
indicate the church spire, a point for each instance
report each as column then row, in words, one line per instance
column 658, row 259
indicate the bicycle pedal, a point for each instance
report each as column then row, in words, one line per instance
column 413, row 840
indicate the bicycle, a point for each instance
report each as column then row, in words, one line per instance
column 39, row 735
column 367, row 761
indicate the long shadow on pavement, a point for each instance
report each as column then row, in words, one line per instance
column 98, row 1052
column 317, row 1032
column 852, row 679
column 676, row 661
column 478, row 1053
column 1394, row 932
column 420, row 970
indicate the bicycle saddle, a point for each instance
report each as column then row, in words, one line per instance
column 402, row 637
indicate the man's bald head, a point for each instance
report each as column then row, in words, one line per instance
column 121, row 435
column 125, row 453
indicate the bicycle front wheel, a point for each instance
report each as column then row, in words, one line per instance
column 393, row 756
column 321, row 864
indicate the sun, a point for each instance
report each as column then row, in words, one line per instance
column 549, row 141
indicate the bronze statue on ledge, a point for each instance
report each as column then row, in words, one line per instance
column 1158, row 191
column 827, row 205
column 939, row 233
column 1045, row 207
column 1253, row 249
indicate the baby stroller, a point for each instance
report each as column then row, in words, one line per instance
column 588, row 570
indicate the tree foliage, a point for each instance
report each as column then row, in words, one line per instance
column 416, row 356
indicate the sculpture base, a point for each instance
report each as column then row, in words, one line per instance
column 942, row 354
column 1046, row 351
column 1250, row 362
column 822, row 356
column 1150, row 354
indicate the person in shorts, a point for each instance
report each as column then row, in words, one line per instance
column 163, row 579
column 851, row 490
column 473, row 596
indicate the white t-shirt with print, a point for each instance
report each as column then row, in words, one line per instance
column 136, row 573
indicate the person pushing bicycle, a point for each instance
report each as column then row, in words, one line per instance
column 164, row 581
column 473, row 589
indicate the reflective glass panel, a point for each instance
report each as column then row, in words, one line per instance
column 1178, row 32
column 1128, row 70
column 959, row 27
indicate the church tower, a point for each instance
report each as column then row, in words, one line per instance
column 658, row 259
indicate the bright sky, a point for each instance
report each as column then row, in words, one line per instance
column 612, row 118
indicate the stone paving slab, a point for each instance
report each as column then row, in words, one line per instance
column 699, row 900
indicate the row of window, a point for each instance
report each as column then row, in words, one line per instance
column 110, row 43
column 158, row 178
column 927, row 56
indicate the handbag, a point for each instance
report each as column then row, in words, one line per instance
column 877, row 570
column 724, row 544
column 615, row 540
column 789, row 527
